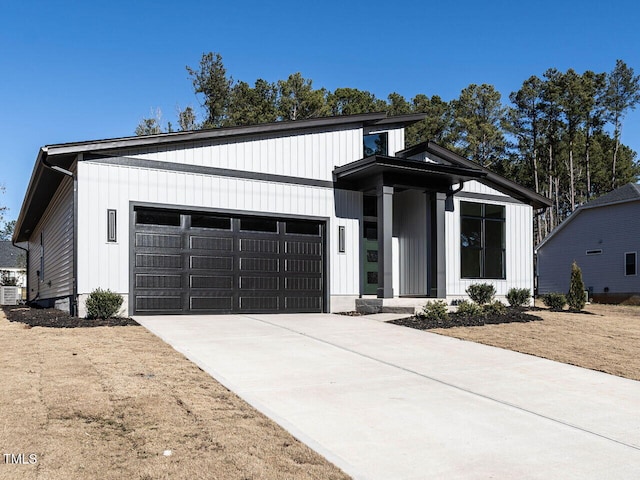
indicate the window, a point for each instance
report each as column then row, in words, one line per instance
column 482, row 240
column 157, row 217
column 300, row 227
column 259, row 225
column 202, row 220
column 630, row 263
column 375, row 144
column 111, row 226
column 597, row 251
column 342, row 247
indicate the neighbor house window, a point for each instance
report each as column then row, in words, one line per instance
column 482, row 240
column 375, row 144
column 630, row 263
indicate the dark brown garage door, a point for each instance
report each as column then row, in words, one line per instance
column 215, row 263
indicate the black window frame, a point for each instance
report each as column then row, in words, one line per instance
column 383, row 149
column 483, row 250
column 627, row 264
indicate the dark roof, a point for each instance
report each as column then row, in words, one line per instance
column 369, row 172
column 10, row 256
column 627, row 193
column 491, row 179
column 44, row 182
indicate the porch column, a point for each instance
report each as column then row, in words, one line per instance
column 441, row 264
column 385, row 233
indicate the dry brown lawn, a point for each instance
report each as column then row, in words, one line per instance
column 109, row 402
column 607, row 339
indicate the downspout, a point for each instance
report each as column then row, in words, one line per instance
column 59, row 169
column 26, row 250
column 448, row 202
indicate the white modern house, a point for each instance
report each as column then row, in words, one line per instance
column 601, row 236
column 303, row 216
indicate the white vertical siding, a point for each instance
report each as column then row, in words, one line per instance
column 102, row 187
column 518, row 250
column 56, row 228
column 410, row 226
column 306, row 155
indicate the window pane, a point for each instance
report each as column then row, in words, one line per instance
column 630, row 263
column 470, row 262
column 370, row 206
column 375, row 144
column 471, row 232
column 471, row 209
column 494, row 211
column 258, row 225
column 370, row 230
column 494, row 234
column 157, row 217
column 210, row 221
column 494, row 263
column 303, row 228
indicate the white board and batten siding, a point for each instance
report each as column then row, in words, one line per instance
column 103, row 186
column 56, row 231
column 518, row 244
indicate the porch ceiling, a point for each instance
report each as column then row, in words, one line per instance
column 376, row 170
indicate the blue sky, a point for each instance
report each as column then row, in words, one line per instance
column 78, row 70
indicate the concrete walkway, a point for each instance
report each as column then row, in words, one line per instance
column 388, row 402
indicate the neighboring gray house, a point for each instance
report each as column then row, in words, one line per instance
column 303, row 216
column 603, row 237
column 12, row 265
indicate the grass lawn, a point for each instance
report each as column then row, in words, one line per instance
column 117, row 403
column 605, row 338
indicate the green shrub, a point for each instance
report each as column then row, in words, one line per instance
column 575, row 297
column 518, row 297
column 481, row 293
column 436, row 310
column 469, row 309
column 103, row 303
column 494, row 308
column 555, row 301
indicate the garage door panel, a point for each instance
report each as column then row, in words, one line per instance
column 156, row 240
column 211, row 282
column 211, row 263
column 303, row 248
column 254, row 245
column 148, row 280
column 259, row 304
column 311, row 284
column 211, row 303
column 257, row 264
column 155, row 260
column 303, row 304
column 259, row 283
column 157, row 303
column 211, row 243
column 303, row 266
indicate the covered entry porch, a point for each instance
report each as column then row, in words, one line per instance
column 406, row 200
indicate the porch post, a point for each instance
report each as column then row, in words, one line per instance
column 441, row 264
column 385, row 233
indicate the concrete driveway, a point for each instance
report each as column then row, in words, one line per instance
column 388, row 402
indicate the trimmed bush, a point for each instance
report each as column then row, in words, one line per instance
column 555, row 301
column 103, row 304
column 494, row 308
column 436, row 310
column 518, row 297
column 575, row 297
column 469, row 309
column 481, row 293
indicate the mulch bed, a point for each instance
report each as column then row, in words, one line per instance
column 51, row 317
column 456, row 320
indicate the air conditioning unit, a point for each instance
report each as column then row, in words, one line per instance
column 10, row 295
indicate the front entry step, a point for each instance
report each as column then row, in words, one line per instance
column 377, row 305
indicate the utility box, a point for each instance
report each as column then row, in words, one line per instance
column 10, row 295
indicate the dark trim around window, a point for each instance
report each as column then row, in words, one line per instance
column 482, row 241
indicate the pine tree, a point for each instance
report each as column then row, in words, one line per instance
column 575, row 298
